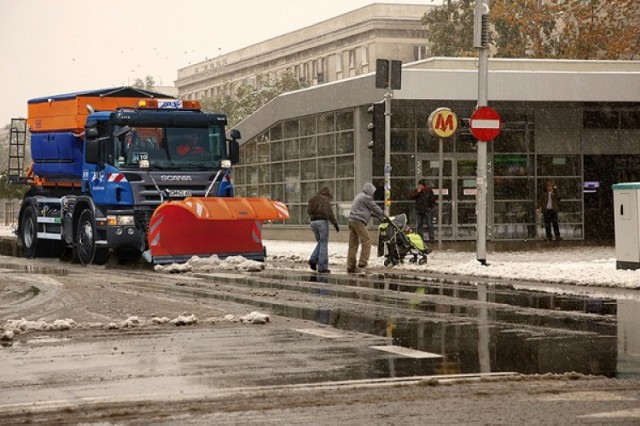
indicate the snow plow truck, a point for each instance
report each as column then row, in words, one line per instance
column 130, row 172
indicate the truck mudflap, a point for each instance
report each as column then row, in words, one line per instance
column 203, row 227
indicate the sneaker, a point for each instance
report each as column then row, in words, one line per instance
column 325, row 271
column 313, row 265
column 362, row 266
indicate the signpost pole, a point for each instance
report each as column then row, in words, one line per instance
column 388, row 76
column 440, row 173
column 442, row 123
column 387, row 153
column 481, row 179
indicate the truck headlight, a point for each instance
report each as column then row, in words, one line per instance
column 120, row 220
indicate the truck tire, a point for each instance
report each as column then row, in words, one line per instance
column 29, row 232
column 31, row 246
column 88, row 252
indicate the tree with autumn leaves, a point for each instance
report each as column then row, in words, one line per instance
column 559, row 29
column 240, row 101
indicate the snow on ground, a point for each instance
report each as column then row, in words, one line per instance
column 11, row 328
column 7, row 231
column 212, row 264
column 571, row 265
column 576, row 265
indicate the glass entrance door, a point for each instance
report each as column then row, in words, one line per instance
column 458, row 194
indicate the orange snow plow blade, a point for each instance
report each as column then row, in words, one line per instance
column 203, row 227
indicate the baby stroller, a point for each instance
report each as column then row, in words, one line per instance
column 396, row 240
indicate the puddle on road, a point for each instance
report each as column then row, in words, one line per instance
column 475, row 328
column 31, row 269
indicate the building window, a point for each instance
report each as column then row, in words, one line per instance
column 352, row 58
column 305, row 71
column 604, row 119
column 292, row 172
column 419, row 53
column 564, row 171
column 365, row 55
column 630, row 119
column 611, row 119
column 318, row 72
column 338, row 62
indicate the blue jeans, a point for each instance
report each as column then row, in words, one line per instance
column 426, row 218
column 320, row 254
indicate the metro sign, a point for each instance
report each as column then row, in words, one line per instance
column 485, row 124
column 443, row 123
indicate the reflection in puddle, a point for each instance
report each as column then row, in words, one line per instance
column 475, row 328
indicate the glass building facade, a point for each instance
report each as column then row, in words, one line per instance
column 292, row 159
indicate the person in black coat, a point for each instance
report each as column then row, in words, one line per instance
column 425, row 208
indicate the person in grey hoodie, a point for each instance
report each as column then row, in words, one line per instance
column 362, row 208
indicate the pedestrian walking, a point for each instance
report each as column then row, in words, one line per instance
column 549, row 204
column 425, row 202
column 321, row 213
column 362, row 208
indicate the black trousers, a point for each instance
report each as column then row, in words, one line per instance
column 550, row 217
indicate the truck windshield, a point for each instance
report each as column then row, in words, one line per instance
column 169, row 147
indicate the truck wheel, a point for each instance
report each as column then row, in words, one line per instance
column 88, row 252
column 32, row 246
column 29, row 234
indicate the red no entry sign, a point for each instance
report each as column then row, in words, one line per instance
column 485, row 124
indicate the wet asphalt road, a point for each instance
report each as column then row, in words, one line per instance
column 337, row 349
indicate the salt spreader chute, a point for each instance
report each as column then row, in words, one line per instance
column 206, row 226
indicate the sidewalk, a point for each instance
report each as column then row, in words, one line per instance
column 569, row 262
column 554, row 263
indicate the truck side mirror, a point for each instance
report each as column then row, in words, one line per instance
column 234, row 151
column 234, row 146
column 92, row 151
column 91, row 133
column 235, row 134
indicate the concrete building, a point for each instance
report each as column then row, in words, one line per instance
column 576, row 123
column 342, row 47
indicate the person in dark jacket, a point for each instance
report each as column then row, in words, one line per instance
column 362, row 208
column 425, row 208
column 549, row 203
column 321, row 213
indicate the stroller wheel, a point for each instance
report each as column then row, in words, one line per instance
column 413, row 260
column 422, row 261
column 387, row 262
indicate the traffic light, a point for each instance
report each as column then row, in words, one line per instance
column 376, row 127
column 464, row 133
column 388, row 74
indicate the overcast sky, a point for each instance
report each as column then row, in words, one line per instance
column 51, row 47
